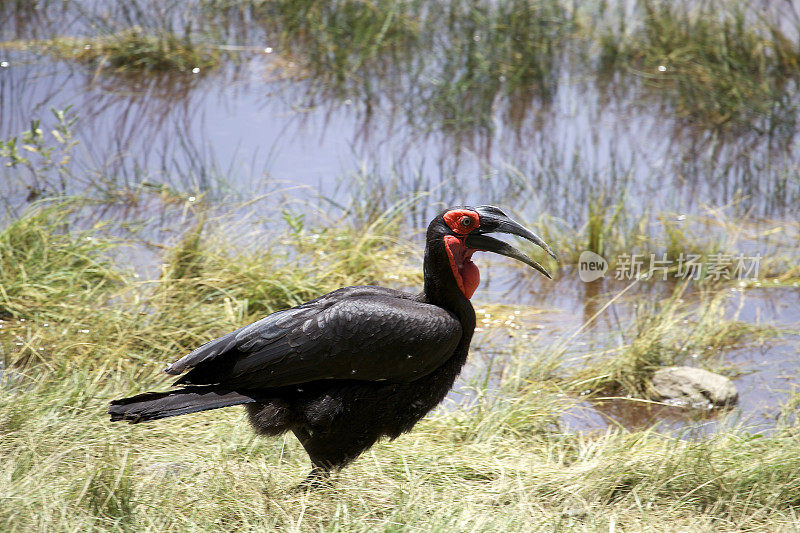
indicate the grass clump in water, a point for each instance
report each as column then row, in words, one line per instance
column 494, row 50
column 723, row 62
column 664, row 333
column 344, row 42
column 132, row 49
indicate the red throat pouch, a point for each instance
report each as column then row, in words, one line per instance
column 464, row 270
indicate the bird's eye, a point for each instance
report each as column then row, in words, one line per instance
column 466, row 221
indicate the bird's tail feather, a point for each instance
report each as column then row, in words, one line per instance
column 155, row 405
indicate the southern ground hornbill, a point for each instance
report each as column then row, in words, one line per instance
column 354, row 365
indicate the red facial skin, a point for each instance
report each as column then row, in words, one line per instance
column 454, row 218
column 464, row 270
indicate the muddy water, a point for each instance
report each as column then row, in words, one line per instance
column 259, row 126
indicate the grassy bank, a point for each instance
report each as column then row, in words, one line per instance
column 66, row 468
column 79, row 330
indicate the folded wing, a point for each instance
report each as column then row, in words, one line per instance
column 362, row 333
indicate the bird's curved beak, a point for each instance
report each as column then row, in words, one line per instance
column 492, row 220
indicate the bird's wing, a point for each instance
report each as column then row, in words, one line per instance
column 363, row 333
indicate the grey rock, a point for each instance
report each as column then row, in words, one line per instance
column 695, row 387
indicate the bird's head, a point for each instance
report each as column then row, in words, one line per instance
column 464, row 231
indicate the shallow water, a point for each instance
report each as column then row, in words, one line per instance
column 247, row 129
column 257, row 127
column 765, row 373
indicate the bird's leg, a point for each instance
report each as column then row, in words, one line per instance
column 318, row 478
column 320, row 475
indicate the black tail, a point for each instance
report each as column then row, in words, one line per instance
column 155, row 405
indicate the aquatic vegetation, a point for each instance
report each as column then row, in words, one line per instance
column 134, row 49
column 448, row 62
column 458, row 63
column 719, row 63
column 710, row 248
column 692, row 329
column 45, row 158
column 506, row 51
column 339, row 40
column 131, row 49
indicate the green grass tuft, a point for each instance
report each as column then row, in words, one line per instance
column 50, row 271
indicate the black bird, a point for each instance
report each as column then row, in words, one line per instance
column 354, row 365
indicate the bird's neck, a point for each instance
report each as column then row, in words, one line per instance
column 442, row 290
column 441, row 287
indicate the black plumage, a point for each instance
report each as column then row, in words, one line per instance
column 349, row 367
